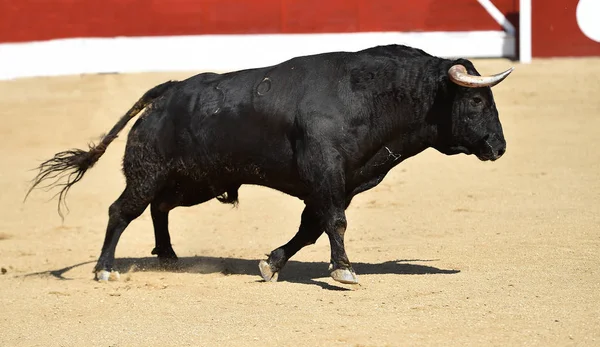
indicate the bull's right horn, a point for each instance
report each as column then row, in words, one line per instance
column 459, row 75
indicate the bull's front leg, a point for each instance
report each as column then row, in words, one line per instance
column 321, row 168
column 341, row 269
column 315, row 220
column 307, row 234
column 329, row 200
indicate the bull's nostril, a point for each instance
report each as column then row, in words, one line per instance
column 501, row 152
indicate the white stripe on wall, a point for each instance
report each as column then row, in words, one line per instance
column 525, row 41
column 225, row 52
column 498, row 16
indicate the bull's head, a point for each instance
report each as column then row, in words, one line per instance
column 474, row 127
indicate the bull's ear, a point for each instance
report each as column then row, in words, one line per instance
column 459, row 75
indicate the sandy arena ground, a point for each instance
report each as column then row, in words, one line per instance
column 448, row 250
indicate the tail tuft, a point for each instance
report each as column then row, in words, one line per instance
column 72, row 165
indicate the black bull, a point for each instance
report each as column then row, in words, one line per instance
column 322, row 128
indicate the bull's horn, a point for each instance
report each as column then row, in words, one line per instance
column 459, row 75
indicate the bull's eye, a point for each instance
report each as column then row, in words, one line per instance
column 476, row 101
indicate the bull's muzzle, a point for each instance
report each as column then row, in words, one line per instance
column 492, row 148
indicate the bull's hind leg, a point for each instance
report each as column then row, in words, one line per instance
column 126, row 208
column 160, row 220
column 307, row 234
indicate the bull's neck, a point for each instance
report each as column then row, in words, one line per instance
column 412, row 142
column 414, row 128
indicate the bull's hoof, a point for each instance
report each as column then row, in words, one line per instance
column 105, row 276
column 164, row 253
column 344, row 276
column 265, row 271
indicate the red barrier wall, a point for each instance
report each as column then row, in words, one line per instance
column 30, row 20
column 555, row 29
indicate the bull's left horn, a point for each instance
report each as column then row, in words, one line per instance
column 459, row 75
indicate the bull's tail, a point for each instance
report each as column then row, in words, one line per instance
column 73, row 163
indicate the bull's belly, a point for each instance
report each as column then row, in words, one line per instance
column 188, row 190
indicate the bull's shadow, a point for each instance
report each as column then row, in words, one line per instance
column 294, row 271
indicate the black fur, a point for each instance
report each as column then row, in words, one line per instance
column 322, row 128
